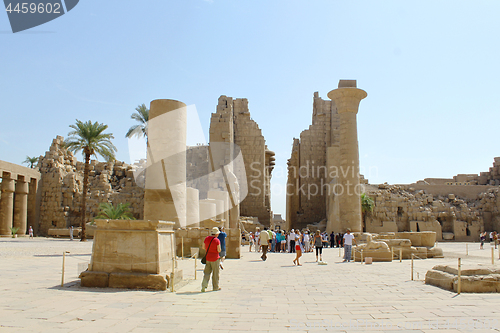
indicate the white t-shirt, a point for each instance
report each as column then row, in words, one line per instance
column 306, row 238
column 348, row 239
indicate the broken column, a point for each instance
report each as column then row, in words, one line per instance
column 165, row 194
column 347, row 98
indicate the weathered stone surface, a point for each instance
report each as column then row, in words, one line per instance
column 474, row 278
column 94, row 279
column 137, row 281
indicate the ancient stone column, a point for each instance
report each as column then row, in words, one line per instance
column 21, row 205
column 165, row 193
column 347, row 98
column 192, row 208
column 6, row 204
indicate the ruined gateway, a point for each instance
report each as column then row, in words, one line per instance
column 456, row 209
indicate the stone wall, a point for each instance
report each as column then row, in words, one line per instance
column 404, row 208
column 232, row 122
column 62, row 184
column 307, row 173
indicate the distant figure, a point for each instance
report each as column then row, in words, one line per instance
column 251, row 241
column 332, row 240
column 495, row 238
column 283, row 241
column 298, row 248
column 348, row 238
column 292, row 242
column 482, row 236
column 264, row 243
column 71, row 233
column 222, row 238
column 318, row 245
column 307, row 241
column 31, row 231
column 212, row 246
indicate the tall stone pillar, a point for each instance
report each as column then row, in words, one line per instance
column 347, row 98
column 6, row 204
column 165, row 194
column 21, row 205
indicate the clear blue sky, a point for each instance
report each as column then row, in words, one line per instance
column 430, row 69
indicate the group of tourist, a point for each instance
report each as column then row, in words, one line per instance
column 296, row 241
column 284, row 242
column 276, row 241
column 493, row 238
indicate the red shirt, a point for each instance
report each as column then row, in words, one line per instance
column 212, row 254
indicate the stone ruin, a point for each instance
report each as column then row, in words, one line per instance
column 325, row 157
column 61, row 188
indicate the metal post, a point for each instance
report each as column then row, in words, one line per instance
column 182, row 248
column 62, row 277
column 173, row 262
column 412, row 266
column 340, row 251
column 353, row 252
column 195, row 257
column 392, row 253
column 492, row 255
column 361, row 256
column 466, row 249
column 459, row 281
column 400, row 254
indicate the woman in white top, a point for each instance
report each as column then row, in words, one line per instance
column 298, row 248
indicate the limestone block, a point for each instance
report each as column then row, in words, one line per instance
column 94, row 279
column 137, row 281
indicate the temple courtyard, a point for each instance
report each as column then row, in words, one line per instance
column 256, row 296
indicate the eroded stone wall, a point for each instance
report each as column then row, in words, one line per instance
column 307, row 173
column 62, row 185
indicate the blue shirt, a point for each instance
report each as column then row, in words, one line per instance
column 222, row 237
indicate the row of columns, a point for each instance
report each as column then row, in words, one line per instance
column 14, row 203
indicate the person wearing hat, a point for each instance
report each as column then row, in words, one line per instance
column 212, row 246
column 348, row 238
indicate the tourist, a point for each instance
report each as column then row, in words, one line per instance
column 30, row 232
column 212, row 246
column 332, row 240
column 278, row 242
column 71, row 233
column 298, row 248
column 222, row 238
column 318, row 244
column 307, row 243
column 283, row 241
column 264, row 243
column 251, row 241
column 291, row 247
column 324, row 238
column 482, row 236
column 495, row 238
column 257, row 239
column 348, row 239
column 273, row 240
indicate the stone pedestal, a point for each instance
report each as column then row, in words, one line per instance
column 6, row 204
column 131, row 254
column 347, row 98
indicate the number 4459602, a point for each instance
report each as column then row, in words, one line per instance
column 34, row 8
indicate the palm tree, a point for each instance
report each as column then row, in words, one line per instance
column 367, row 205
column 31, row 161
column 90, row 139
column 120, row 212
column 141, row 129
